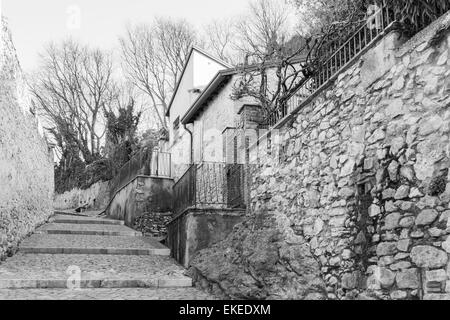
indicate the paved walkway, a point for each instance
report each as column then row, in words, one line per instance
column 79, row 258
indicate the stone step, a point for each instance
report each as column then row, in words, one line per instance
column 84, row 220
column 88, row 229
column 44, row 271
column 62, row 283
column 92, row 244
column 106, row 294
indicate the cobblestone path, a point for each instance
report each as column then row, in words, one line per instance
column 90, row 258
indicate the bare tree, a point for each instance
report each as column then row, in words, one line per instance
column 221, row 41
column 412, row 14
column 264, row 41
column 71, row 91
column 153, row 59
column 278, row 62
column 266, row 27
column 318, row 14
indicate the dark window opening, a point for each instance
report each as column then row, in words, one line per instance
column 247, row 150
column 235, row 150
column 176, row 127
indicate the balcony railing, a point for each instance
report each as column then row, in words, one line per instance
column 147, row 163
column 338, row 55
column 211, row 185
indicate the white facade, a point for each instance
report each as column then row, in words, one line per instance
column 200, row 69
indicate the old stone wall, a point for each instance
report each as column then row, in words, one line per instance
column 354, row 200
column 26, row 163
column 197, row 229
column 142, row 196
column 95, row 197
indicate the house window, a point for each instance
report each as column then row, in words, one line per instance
column 176, row 127
column 235, row 149
column 247, row 150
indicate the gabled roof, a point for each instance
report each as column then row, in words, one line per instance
column 215, row 84
column 199, row 50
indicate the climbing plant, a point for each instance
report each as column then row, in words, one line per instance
column 121, row 138
column 417, row 14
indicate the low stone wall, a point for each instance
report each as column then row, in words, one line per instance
column 353, row 202
column 26, row 163
column 197, row 229
column 96, row 197
column 141, row 196
column 153, row 224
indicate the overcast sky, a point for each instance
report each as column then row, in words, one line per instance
column 36, row 22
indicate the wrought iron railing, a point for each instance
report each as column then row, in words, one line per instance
column 145, row 162
column 184, row 191
column 335, row 57
column 208, row 184
column 339, row 54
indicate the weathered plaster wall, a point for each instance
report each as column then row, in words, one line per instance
column 195, row 230
column 220, row 114
column 199, row 71
column 141, row 196
column 181, row 153
column 96, row 197
column 355, row 199
column 26, row 165
column 215, row 126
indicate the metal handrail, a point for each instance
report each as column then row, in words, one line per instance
column 184, row 174
column 126, row 174
column 365, row 36
column 211, row 184
column 337, row 60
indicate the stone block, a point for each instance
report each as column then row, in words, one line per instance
column 350, row 280
column 388, row 194
column 436, row 275
column 402, row 265
column 436, row 296
column 391, row 221
column 407, row 173
column 386, row 261
column 408, row 279
column 446, row 245
column 401, row 256
column 374, row 210
column 407, row 222
column 402, row 192
column 426, row 217
column 399, row 295
column 393, row 170
column 447, row 286
column 429, row 257
column 415, row 193
column 431, row 125
column 386, row 249
column 338, row 221
column 386, row 277
column 397, row 144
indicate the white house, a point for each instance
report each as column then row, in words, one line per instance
column 199, row 70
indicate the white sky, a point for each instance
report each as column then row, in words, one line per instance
column 34, row 23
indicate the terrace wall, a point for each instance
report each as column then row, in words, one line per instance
column 26, row 162
column 353, row 203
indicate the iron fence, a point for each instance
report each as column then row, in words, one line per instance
column 208, row 184
column 335, row 56
column 184, row 191
column 145, row 162
column 339, row 54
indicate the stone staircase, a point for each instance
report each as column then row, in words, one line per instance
column 93, row 255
